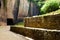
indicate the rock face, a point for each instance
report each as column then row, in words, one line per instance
column 23, row 8
column 10, row 8
column 49, row 21
column 16, row 10
column 38, row 33
column 2, row 14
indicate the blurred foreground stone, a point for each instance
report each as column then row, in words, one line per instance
column 37, row 33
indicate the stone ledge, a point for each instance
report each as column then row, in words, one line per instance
column 38, row 33
column 49, row 21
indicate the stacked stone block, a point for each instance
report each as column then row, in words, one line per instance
column 49, row 21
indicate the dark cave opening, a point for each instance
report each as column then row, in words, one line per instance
column 0, row 4
column 10, row 22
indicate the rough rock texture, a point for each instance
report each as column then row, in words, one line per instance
column 38, row 33
column 23, row 8
column 49, row 21
column 10, row 8
column 2, row 14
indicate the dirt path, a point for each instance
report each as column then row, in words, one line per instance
column 5, row 34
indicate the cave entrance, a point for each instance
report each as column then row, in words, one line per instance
column 10, row 22
column 0, row 4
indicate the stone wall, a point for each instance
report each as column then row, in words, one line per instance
column 37, row 33
column 49, row 21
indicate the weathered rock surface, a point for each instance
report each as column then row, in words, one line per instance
column 38, row 33
column 2, row 14
column 10, row 8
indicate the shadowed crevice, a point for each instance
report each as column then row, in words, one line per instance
column 10, row 22
column 0, row 4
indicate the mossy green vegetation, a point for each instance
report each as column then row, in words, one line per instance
column 49, row 6
column 20, row 24
column 57, row 12
column 5, row 3
column 46, row 6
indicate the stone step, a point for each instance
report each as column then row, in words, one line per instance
column 37, row 33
